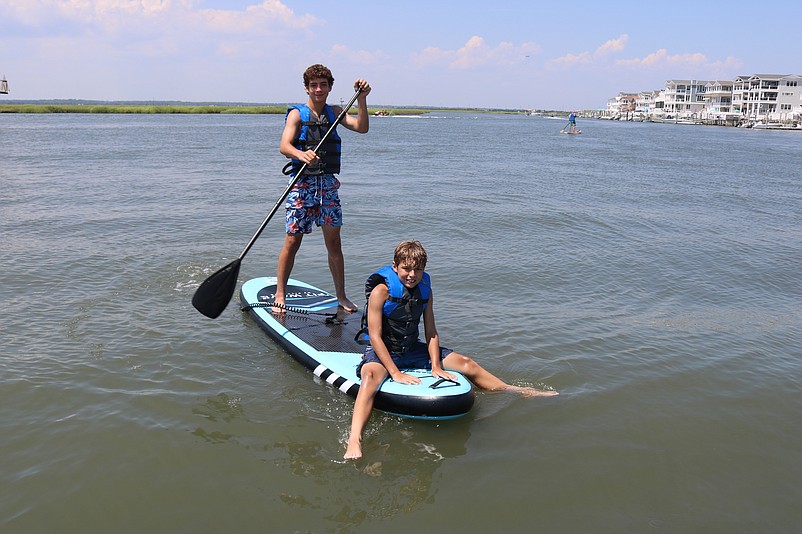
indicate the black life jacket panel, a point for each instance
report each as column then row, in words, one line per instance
column 312, row 131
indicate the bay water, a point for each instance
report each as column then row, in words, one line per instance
column 650, row 273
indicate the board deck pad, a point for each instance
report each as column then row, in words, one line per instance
column 336, row 335
column 321, row 335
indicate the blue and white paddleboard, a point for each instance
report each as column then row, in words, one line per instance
column 321, row 336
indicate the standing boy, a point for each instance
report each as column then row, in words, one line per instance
column 395, row 308
column 314, row 198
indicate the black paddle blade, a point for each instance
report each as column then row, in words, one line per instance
column 214, row 294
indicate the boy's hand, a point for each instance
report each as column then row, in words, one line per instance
column 404, row 378
column 364, row 85
column 439, row 373
column 308, row 157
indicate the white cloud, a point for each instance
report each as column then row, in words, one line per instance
column 725, row 68
column 613, row 45
column 260, row 18
column 362, row 57
column 586, row 58
column 110, row 13
column 431, row 56
column 662, row 57
column 475, row 53
column 695, row 62
column 569, row 60
column 131, row 16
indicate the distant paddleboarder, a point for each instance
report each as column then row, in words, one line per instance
column 570, row 128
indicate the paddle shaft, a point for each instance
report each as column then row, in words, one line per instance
column 298, row 175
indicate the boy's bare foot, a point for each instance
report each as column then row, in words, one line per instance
column 347, row 305
column 278, row 307
column 354, row 450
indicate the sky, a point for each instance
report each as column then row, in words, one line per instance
column 481, row 54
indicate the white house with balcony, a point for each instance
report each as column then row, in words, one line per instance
column 684, row 98
column 759, row 99
column 718, row 100
column 646, row 102
column 789, row 99
column 738, row 94
column 768, row 98
column 622, row 106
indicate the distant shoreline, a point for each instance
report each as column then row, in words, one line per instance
column 205, row 108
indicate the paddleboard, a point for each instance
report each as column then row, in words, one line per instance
column 572, row 133
column 321, row 336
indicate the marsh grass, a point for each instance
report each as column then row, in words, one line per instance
column 199, row 109
column 143, row 109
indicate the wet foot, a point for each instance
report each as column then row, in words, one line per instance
column 278, row 308
column 354, row 450
column 347, row 305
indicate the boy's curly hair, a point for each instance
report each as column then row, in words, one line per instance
column 318, row 71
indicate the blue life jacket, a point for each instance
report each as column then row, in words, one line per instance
column 401, row 312
column 310, row 135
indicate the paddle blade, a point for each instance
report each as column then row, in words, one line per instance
column 214, row 294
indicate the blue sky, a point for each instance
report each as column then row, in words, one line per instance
column 513, row 54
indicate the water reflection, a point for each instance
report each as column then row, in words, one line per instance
column 395, row 476
column 300, row 465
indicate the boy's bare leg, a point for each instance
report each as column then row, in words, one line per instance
column 373, row 374
column 331, row 236
column 286, row 261
column 484, row 379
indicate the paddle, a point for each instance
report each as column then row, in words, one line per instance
column 214, row 294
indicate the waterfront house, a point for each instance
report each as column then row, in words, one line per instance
column 767, row 98
column 647, row 102
column 684, row 98
column 789, row 99
column 622, row 106
column 759, row 100
column 718, row 98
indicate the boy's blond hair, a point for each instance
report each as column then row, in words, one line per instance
column 411, row 254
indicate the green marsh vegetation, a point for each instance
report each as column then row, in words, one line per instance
column 137, row 108
column 202, row 109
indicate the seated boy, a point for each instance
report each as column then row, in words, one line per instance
column 395, row 309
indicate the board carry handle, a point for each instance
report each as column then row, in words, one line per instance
column 454, row 382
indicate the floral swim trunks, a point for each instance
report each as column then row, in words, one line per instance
column 313, row 199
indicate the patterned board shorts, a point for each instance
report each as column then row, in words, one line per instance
column 314, row 199
column 416, row 358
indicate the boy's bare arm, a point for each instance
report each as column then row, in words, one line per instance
column 433, row 341
column 361, row 122
column 375, row 304
column 288, row 136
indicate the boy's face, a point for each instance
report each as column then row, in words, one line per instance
column 318, row 89
column 409, row 275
